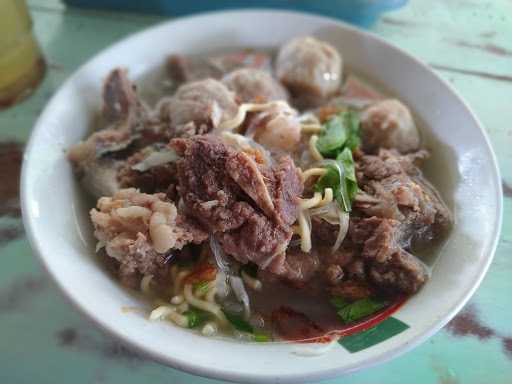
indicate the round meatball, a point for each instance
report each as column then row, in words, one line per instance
column 204, row 104
column 277, row 128
column 389, row 124
column 309, row 68
column 254, row 85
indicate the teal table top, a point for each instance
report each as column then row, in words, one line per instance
column 43, row 339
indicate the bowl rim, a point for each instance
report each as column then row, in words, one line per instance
column 239, row 376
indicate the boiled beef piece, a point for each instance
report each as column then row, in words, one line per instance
column 120, row 101
column 371, row 256
column 183, row 69
column 247, row 205
column 393, row 187
column 198, row 107
column 95, row 159
column 390, row 266
column 253, row 85
column 151, row 170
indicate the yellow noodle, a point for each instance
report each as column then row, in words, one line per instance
column 310, row 128
column 209, row 329
column 145, row 284
column 313, row 150
column 251, row 282
column 129, row 309
column 159, row 302
column 328, row 196
column 210, row 296
column 312, row 202
column 174, row 274
column 176, row 300
column 182, row 307
column 179, row 280
column 313, row 172
column 167, row 311
column 202, row 292
column 305, row 233
column 242, row 112
column 204, row 305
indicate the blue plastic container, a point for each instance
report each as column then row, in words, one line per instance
column 360, row 12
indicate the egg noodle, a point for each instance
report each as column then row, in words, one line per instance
column 243, row 109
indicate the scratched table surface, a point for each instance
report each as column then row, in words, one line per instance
column 45, row 340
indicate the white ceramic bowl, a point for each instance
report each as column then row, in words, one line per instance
column 463, row 167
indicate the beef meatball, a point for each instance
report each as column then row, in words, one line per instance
column 254, row 85
column 201, row 104
column 310, row 69
column 277, row 128
column 389, row 124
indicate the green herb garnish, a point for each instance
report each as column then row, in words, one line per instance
column 352, row 124
column 335, row 179
column 261, row 338
column 238, row 322
column 195, row 317
column 340, row 131
column 201, row 287
column 340, row 137
column 359, row 309
column 346, row 160
column 338, row 302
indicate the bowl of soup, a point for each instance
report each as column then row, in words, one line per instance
column 278, row 204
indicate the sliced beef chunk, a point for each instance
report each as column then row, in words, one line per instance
column 151, row 170
column 323, row 232
column 98, row 159
column 207, row 190
column 182, row 69
column 292, row 325
column 334, row 274
column 121, row 105
column 243, row 169
column 253, row 85
column 94, row 164
column 391, row 267
column 238, row 199
column 257, row 240
column 352, row 290
column 300, row 267
column 198, row 107
column 118, row 95
column 342, row 256
column 122, row 110
column 401, row 272
column 372, row 257
column 287, row 186
column 392, row 187
column 379, row 237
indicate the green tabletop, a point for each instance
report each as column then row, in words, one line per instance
column 45, row 340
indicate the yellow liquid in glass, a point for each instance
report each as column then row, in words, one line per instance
column 21, row 64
